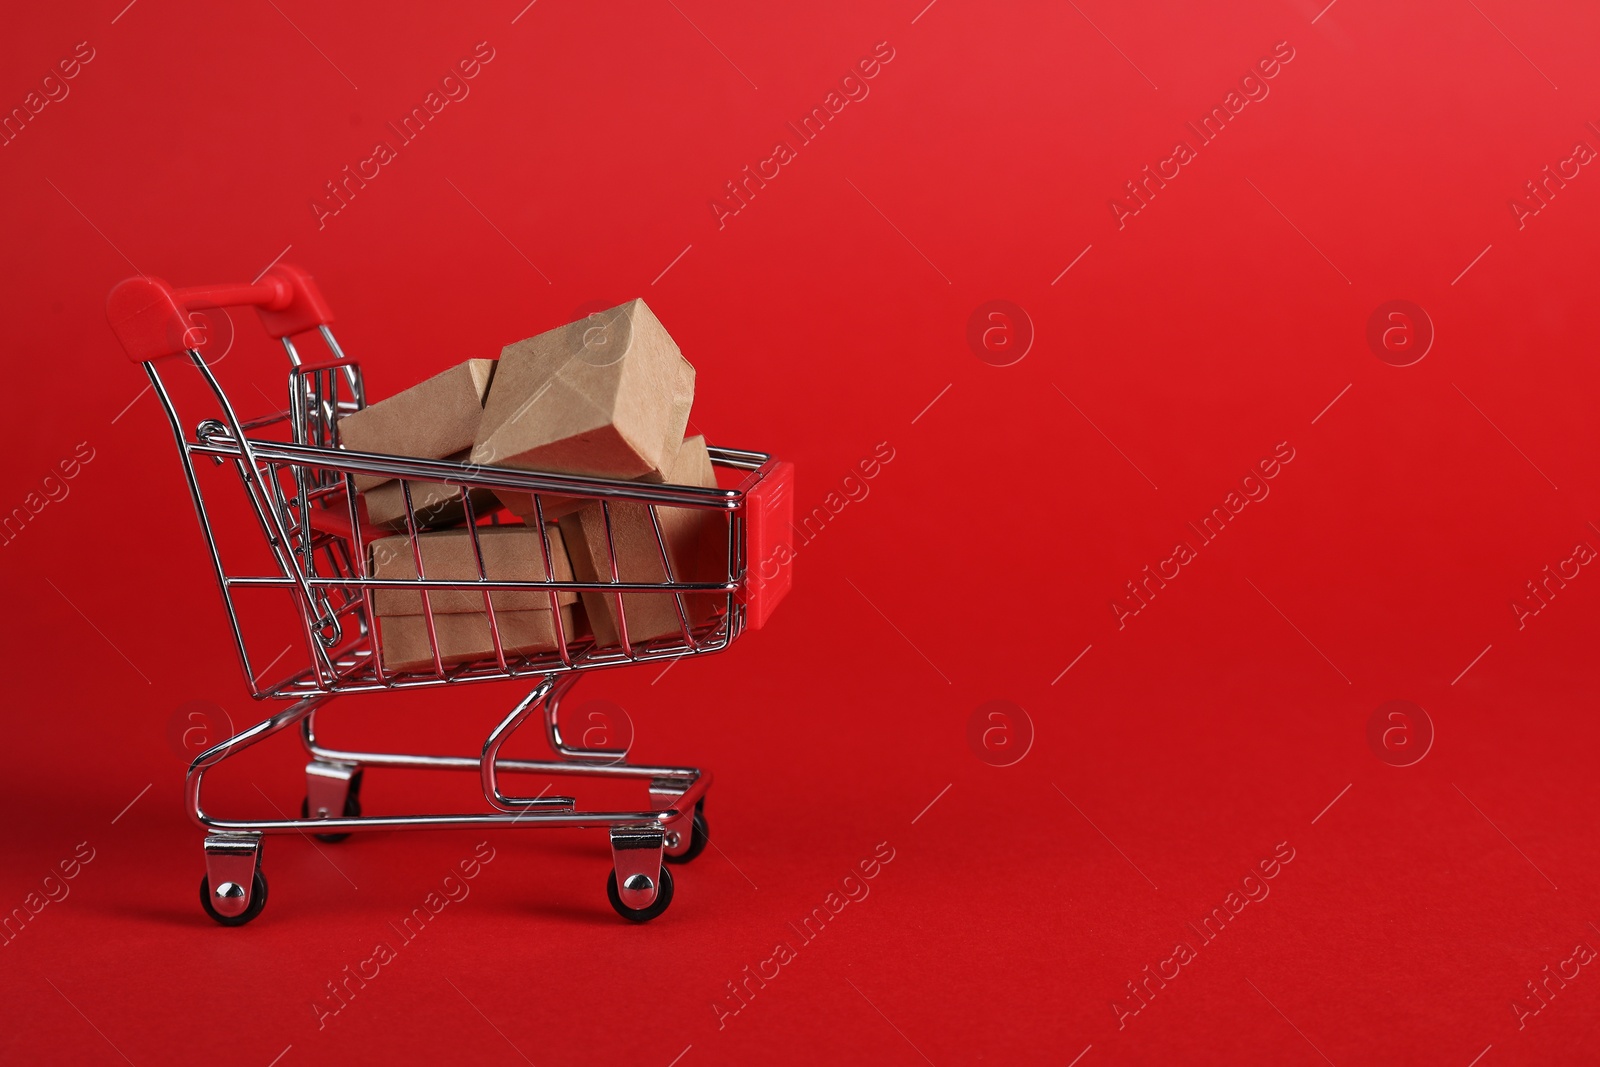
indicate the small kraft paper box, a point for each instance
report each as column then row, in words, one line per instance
column 434, row 504
column 607, row 396
column 435, row 419
column 697, row 546
column 510, row 554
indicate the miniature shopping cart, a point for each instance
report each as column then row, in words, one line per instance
column 297, row 548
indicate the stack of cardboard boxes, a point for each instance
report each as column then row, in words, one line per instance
column 608, row 396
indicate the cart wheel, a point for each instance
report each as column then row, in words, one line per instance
column 258, row 900
column 699, row 837
column 352, row 809
column 641, row 915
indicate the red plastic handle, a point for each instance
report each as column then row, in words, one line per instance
column 151, row 318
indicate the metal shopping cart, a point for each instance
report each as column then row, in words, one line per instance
column 299, row 541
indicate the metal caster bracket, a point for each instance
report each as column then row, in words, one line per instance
column 666, row 793
column 636, row 855
column 328, row 788
column 231, row 864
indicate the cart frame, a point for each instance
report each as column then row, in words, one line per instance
column 302, row 494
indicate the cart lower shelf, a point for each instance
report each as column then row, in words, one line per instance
column 673, row 830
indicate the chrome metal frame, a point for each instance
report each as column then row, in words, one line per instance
column 302, row 493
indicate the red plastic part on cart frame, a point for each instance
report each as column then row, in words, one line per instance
column 769, row 558
column 152, row 319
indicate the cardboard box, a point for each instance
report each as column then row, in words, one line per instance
column 607, row 396
column 697, row 546
column 403, row 639
column 435, row 419
column 433, row 504
column 554, row 507
column 510, row 553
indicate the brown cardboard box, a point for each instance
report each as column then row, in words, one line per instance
column 434, row 419
column 696, row 542
column 607, row 396
column 510, row 553
column 464, row 638
column 434, row 504
column 551, row 506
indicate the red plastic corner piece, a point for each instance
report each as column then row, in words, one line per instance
column 306, row 309
column 147, row 319
column 769, row 558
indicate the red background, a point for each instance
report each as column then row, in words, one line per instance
column 823, row 319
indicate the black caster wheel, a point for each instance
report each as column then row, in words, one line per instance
column 352, row 809
column 258, row 900
column 641, row 915
column 699, row 837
